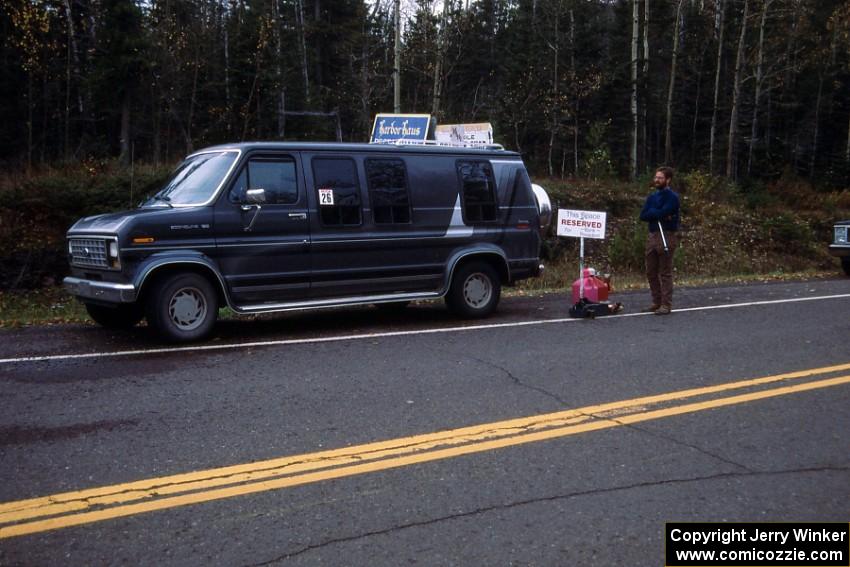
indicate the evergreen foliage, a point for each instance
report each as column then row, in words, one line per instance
column 150, row 81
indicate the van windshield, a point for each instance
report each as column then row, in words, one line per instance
column 195, row 180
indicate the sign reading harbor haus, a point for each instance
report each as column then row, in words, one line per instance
column 391, row 128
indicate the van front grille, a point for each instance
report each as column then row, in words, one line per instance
column 89, row 253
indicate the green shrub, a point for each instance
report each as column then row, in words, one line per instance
column 704, row 186
column 626, row 247
column 598, row 163
column 36, row 212
column 789, row 234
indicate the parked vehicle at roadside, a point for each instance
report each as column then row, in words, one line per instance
column 840, row 246
column 279, row 226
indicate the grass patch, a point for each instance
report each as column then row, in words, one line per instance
column 46, row 306
column 54, row 306
column 562, row 282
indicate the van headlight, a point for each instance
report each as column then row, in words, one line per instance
column 113, row 255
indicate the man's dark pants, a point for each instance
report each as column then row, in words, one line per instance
column 659, row 267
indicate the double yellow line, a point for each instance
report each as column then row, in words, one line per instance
column 93, row 505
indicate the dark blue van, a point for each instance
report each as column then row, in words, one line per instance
column 277, row 226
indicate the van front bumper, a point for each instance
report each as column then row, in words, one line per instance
column 100, row 291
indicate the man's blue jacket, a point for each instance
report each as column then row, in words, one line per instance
column 663, row 205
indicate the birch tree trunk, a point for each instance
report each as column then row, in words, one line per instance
column 157, row 125
column 397, row 59
column 124, row 157
column 196, row 65
column 44, row 120
column 72, row 51
column 644, row 81
column 668, row 142
column 318, row 47
column 227, row 101
column 574, row 74
column 554, row 125
column 847, row 151
column 731, row 154
column 365, row 61
column 302, row 32
column 768, row 133
column 633, row 156
column 759, row 79
column 67, row 138
column 713, row 138
column 787, row 97
column 441, row 54
column 697, row 100
column 30, row 106
column 816, row 129
column 75, row 53
column 826, row 75
column 281, row 117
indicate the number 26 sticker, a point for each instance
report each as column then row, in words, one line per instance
column 326, row 197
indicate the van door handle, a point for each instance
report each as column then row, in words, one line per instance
column 298, row 215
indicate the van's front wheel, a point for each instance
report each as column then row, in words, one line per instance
column 183, row 307
column 475, row 290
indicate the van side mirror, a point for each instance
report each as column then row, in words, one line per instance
column 255, row 196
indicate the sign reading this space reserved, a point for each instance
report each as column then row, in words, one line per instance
column 581, row 224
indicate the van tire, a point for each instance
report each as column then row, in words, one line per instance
column 845, row 264
column 182, row 307
column 123, row 316
column 474, row 291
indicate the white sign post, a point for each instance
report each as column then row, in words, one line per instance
column 581, row 225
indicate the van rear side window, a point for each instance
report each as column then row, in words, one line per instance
column 337, row 191
column 387, row 180
column 478, row 191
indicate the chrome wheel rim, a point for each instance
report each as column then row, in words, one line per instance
column 187, row 308
column 477, row 290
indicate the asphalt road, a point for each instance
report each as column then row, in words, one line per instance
column 360, row 437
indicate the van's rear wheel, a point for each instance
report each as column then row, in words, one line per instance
column 183, row 307
column 475, row 290
column 845, row 263
column 122, row 316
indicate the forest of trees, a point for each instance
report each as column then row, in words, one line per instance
column 584, row 88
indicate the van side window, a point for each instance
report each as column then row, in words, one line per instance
column 387, row 180
column 478, row 190
column 337, row 191
column 274, row 174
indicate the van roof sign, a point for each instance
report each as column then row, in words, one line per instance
column 478, row 134
column 396, row 128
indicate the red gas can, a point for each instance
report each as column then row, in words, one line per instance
column 596, row 289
